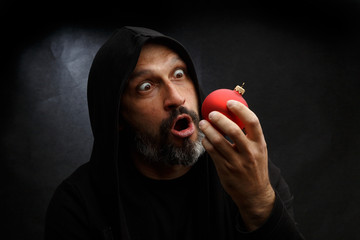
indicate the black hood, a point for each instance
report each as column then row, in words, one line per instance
column 109, row 73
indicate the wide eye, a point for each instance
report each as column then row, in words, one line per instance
column 179, row 73
column 146, row 86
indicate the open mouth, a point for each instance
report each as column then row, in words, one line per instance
column 183, row 126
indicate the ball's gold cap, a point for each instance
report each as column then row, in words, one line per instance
column 239, row 89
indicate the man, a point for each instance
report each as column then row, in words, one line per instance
column 149, row 177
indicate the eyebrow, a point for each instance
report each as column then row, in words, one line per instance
column 176, row 59
column 140, row 73
column 143, row 72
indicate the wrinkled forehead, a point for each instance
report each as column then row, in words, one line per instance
column 154, row 51
column 154, row 56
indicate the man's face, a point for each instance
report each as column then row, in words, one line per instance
column 160, row 107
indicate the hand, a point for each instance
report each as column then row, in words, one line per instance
column 242, row 166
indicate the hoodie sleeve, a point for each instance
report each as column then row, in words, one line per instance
column 281, row 224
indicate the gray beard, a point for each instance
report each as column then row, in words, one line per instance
column 160, row 150
column 169, row 154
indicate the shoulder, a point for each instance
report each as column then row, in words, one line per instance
column 80, row 176
column 71, row 207
column 69, row 190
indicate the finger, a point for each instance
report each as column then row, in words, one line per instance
column 252, row 124
column 211, row 149
column 217, row 140
column 219, row 160
column 229, row 128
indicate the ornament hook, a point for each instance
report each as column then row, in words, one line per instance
column 240, row 90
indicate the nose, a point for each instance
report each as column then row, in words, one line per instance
column 173, row 98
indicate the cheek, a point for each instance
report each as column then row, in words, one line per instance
column 191, row 98
column 141, row 117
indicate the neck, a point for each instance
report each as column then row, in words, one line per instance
column 159, row 171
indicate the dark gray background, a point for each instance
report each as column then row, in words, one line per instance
column 300, row 62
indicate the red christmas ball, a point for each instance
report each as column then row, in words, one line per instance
column 216, row 101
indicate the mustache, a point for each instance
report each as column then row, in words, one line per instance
column 161, row 136
column 166, row 124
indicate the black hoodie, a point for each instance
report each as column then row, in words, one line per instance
column 92, row 203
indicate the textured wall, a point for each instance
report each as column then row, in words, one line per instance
column 301, row 68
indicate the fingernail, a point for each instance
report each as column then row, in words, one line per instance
column 231, row 103
column 212, row 115
column 201, row 123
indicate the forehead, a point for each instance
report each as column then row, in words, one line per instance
column 154, row 52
